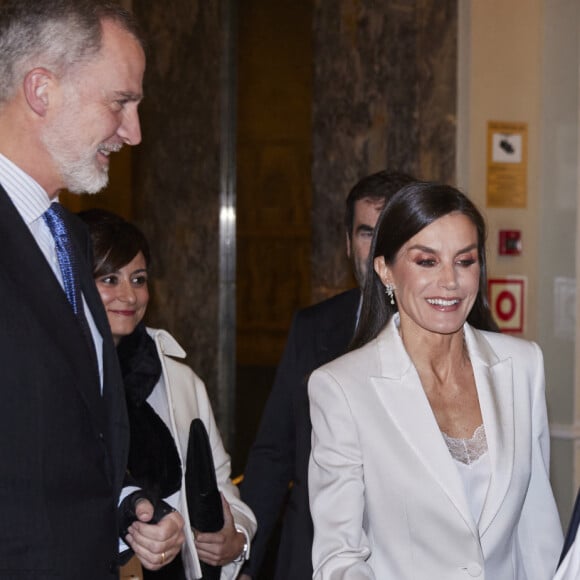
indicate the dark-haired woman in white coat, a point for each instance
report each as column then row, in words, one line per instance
column 163, row 396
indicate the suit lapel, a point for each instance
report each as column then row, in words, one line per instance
column 112, row 402
column 493, row 378
column 404, row 399
column 87, row 282
column 35, row 284
column 333, row 337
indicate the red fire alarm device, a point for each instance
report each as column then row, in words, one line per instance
column 510, row 242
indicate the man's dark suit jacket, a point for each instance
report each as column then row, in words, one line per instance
column 281, row 450
column 63, row 446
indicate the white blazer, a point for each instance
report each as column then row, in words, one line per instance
column 570, row 567
column 386, row 498
column 187, row 399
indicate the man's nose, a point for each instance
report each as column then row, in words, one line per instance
column 130, row 129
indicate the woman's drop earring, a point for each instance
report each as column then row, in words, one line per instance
column 389, row 291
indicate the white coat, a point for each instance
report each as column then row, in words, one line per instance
column 187, row 399
column 387, row 501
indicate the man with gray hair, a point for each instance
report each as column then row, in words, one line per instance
column 71, row 75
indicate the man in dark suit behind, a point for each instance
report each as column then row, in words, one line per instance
column 71, row 75
column 280, row 453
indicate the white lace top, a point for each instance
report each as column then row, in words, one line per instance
column 472, row 461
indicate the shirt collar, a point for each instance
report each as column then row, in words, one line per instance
column 29, row 198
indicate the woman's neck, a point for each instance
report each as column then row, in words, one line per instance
column 440, row 355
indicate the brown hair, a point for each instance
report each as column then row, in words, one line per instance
column 115, row 241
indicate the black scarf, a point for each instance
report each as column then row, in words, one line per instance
column 153, row 459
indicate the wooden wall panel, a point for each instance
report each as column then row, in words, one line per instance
column 273, row 174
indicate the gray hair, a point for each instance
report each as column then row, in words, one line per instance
column 54, row 34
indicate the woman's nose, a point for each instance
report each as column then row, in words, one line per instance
column 448, row 278
column 126, row 293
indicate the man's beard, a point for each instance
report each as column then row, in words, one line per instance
column 79, row 169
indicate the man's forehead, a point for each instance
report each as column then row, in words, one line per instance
column 368, row 205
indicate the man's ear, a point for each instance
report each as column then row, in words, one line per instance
column 348, row 252
column 382, row 270
column 37, row 84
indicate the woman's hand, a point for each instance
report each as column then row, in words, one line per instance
column 220, row 548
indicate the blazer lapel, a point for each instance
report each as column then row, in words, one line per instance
column 493, row 378
column 112, row 404
column 404, row 399
column 87, row 282
column 333, row 337
column 23, row 263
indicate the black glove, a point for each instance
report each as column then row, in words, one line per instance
column 127, row 507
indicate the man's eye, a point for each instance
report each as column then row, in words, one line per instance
column 119, row 104
column 426, row 263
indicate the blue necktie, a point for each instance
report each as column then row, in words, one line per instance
column 53, row 217
column 67, row 260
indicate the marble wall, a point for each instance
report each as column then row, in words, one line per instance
column 383, row 95
column 176, row 173
column 274, row 192
column 384, row 98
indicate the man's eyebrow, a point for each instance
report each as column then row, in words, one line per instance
column 129, row 95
